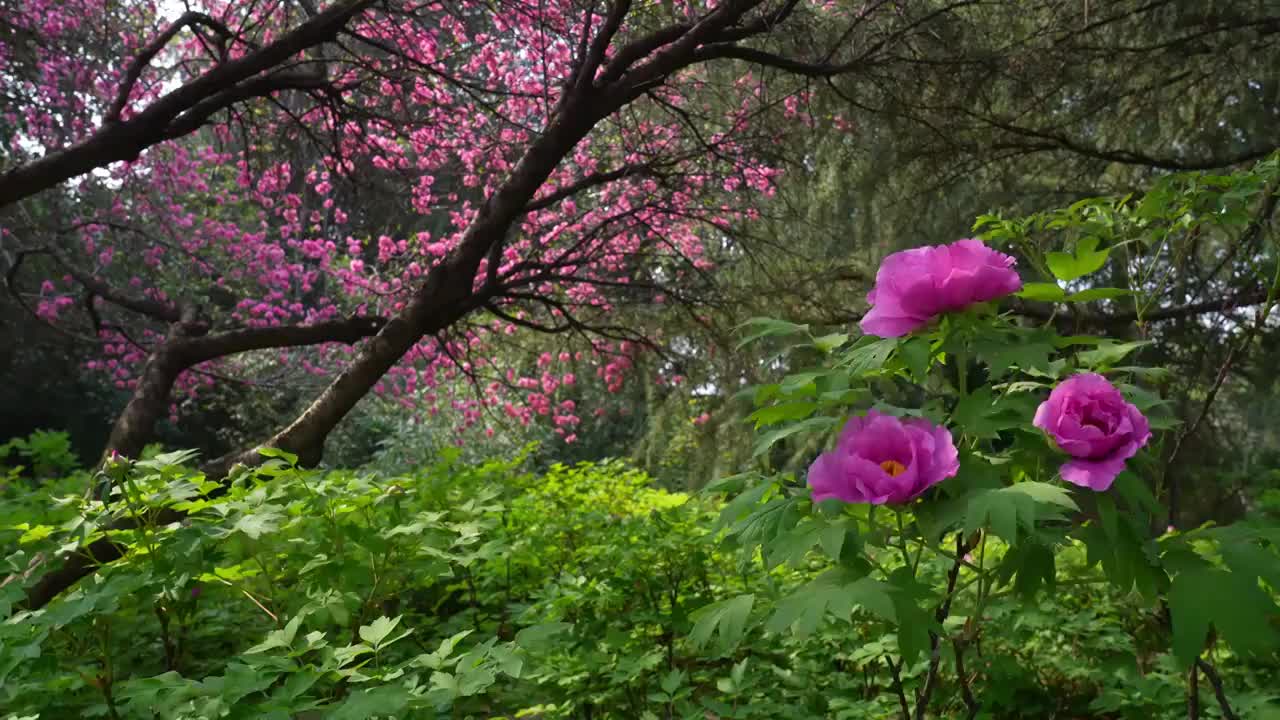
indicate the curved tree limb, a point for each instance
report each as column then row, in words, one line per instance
column 225, row 83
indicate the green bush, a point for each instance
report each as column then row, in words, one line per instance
column 486, row 591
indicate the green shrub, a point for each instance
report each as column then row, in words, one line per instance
column 487, row 591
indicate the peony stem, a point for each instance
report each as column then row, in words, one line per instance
column 902, row 540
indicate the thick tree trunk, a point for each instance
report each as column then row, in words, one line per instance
column 135, row 426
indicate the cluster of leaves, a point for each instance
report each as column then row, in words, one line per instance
column 927, row 572
column 45, row 454
column 488, row 591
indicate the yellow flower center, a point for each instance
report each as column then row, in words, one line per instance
column 893, row 467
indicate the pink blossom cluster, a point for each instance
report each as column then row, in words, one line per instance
column 262, row 232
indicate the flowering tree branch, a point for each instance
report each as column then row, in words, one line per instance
column 613, row 70
column 190, row 18
column 180, row 111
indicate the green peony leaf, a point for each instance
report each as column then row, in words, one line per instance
column 1087, row 259
column 1046, row 292
column 727, row 618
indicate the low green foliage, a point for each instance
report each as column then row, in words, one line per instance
column 486, row 591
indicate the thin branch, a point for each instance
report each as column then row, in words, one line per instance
column 590, row 181
column 1175, row 312
column 966, row 693
column 897, row 688
column 1193, row 693
column 347, row 330
column 1260, row 320
column 154, row 309
column 262, row 86
column 190, row 18
column 1211, row 675
column 768, row 59
column 944, row 609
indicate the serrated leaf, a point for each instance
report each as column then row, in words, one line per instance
column 671, row 681
column 1044, row 493
column 868, row 357
column 281, row 638
column 1250, row 560
column 983, row 415
column 836, row 592
column 1232, row 602
column 1007, row 508
column 1025, row 349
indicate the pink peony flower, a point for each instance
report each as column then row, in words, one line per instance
column 1090, row 420
column 882, row 459
column 914, row 286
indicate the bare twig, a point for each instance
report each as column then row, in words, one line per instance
column 1193, row 693
column 944, row 609
column 966, row 693
column 1260, row 320
column 1211, row 675
column 897, row 688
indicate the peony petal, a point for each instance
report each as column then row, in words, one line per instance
column 914, row 286
column 854, row 470
column 882, row 325
column 1094, row 474
column 824, row 479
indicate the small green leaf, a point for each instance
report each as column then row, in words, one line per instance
column 1086, row 259
column 827, row 343
column 671, row 681
column 39, row 532
column 762, row 327
column 376, row 633
column 273, row 452
column 539, row 636
column 282, row 638
column 1108, row 354
column 783, row 412
column 813, row 424
column 385, row 701
column 1046, row 292
column 727, row 618
column 259, row 523
column 916, row 354
column 1098, row 294
column 868, row 355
